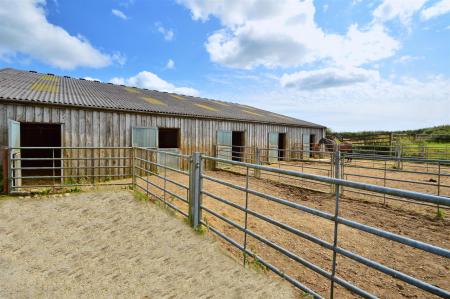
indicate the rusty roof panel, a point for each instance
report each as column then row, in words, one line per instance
column 27, row 86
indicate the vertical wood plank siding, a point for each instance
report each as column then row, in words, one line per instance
column 87, row 127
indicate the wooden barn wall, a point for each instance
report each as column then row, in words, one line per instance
column 86, row 127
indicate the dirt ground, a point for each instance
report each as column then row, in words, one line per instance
column 358, row 170
column 397, row 218
column 109, row 245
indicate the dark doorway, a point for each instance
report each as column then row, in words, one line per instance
column 281, row 146
column 41, row 135
column 168, row 138
column 237, row 145
column 312, row 141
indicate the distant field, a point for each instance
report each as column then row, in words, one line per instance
column 429, row 150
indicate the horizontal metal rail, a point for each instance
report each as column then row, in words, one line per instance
column 405, row 159
column 291, row 255
column 71, row 148
column 374, row 194
column 368, row 229
column 69, row 159
column 162, row 177
column 162, row 166
column 395, row 180
column 337, row 219
column 71, row 185
column 86, row 176
column 368, row 187
column 164, row 152
column 274, row 269
column 162, row 189
column 166, row 202
column 69, row 167
column 396, row 170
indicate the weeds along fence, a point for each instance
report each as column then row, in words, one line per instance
column 431, row 176
column 313, row 247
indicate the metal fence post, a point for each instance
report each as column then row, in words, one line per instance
column 53, row 168
column 399, row 155
column 6, row 163
column 165, row 179
column 132, row 167
column 337, row 158
column 10, row 170
column 258, row 162
column 384, row 181
column 439, row 185
column 148, row 168
column 331, row 171
column 246, row 216
column 195, row 190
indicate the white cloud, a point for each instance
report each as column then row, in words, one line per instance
column 91, row 79
column 150, row 80
column 271, row 33
column 406, row 59
column 126, row 3
column 440, row 8
column 167, row 33
column 371, row 105
column 170, row 64
column 327, row 78
column 119, row 58
column 119, row 14
column 25, row 29
column 401, row 9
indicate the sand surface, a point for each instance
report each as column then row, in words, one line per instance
column 109, row 245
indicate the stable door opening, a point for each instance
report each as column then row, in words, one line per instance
column 40, row 136
column 237, row 145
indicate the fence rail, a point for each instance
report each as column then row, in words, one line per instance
column 186, row 188
column 61, row 167
column 335, row 218
column 416, row 174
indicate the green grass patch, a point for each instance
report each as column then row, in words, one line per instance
column 74, row 190
column 253, row 262
column 140, row 196
column 201, row 229
column 45, row 192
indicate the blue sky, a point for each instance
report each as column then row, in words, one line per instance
column 350, row 65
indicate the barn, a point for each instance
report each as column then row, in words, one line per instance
column 45, row 110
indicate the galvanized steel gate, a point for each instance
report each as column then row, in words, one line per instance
column 145, row 169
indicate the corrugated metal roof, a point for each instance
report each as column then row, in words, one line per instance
column 27, row 86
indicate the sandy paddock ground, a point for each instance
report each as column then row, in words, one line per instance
column 399, row 218
column 109, row 245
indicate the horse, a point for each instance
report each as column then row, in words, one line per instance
column 315, row 150
column 331, row 145
column 346, row 148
